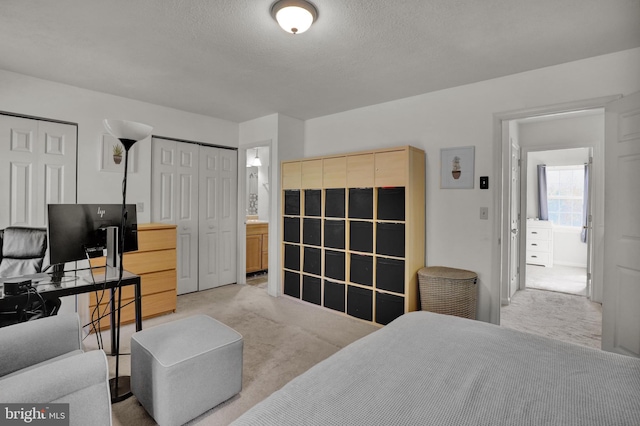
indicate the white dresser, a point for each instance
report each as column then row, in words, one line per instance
column 539, row 242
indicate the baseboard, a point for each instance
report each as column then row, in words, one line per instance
column 575, row 265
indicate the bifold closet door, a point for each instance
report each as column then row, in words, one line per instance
column 195, row 187
column 38, row 164
column 174, row 199
column 218, row 216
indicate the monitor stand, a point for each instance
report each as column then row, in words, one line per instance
column 112, row 247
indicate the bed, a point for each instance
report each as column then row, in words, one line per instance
column 432, row 369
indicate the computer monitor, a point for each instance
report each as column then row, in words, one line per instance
column 76, row 229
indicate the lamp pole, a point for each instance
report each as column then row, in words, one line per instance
column 128, row 133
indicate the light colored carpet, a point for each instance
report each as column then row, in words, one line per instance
column 565, row 279
column 282, row 339
column 560, row 316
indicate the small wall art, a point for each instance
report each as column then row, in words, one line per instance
column 456, row 167
column 112, row 155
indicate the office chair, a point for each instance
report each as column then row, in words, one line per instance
column 23, row 252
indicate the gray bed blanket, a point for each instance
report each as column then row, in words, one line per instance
column 431, row 369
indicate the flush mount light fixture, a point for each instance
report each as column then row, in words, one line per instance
column 294, row 16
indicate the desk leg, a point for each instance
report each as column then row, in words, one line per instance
column 112, row 321
column 138, row 304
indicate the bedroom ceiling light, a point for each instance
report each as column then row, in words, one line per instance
column 294, row 16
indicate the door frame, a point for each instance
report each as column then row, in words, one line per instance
column 242, row 207
column 502, row 176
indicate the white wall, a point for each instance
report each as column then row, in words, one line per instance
column 286, row 138
column 463, row 116
column 26, row 95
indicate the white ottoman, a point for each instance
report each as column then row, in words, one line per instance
column 183, row 368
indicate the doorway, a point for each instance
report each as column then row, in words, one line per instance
column 553, row 257
column 257, row 200
column 556, row 245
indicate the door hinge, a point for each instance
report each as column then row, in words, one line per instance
column 590, row 218
column 519, row 162
column 588, row 276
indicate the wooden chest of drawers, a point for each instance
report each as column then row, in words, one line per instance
column 155, row 263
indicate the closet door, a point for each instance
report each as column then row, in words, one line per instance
column 37, row 167
column 187, row 217
column 218, row 211
column 174, row 200
column 195, row 187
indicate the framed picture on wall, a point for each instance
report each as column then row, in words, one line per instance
column 457, row 167
column 112, row 155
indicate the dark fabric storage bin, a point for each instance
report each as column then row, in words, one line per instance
column 292, row 257
column 361, row 236
column 312, row 202
column 311, row 232
column 388, row 307
column 312, row 260
column 334, row 295
column 360, row 302
column 334, row 233
column 311, row 289
column 391, row 203
column 292, row 229
column 334, row 203
column 334, row 264
column 292, row 202
column 361, row 203
column 292, row 284
column 390, row 274
column 361, row 269
column 390, row 239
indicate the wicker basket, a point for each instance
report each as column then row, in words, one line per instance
column 448, row 291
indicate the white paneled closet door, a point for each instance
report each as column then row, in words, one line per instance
column 174, row 186
column 195, row 187
column 37, row 167
column 218, row 215
column 187, row 217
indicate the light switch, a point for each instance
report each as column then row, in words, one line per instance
column 484, row 213
column 140, row 207
column 484, row 182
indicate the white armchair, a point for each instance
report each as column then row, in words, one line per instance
column 42, row 361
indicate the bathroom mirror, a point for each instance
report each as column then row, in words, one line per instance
column 257, row 189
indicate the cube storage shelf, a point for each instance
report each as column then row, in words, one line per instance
column 353, row 231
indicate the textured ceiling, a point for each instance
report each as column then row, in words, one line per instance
column 229, row 59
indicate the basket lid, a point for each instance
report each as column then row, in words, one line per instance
column 446, row 272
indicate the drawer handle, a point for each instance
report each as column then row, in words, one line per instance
column 533, row 244
column 533, row 256
column 533, row 232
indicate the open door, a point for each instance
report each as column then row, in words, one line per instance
column 514, row 219
column 621, row 292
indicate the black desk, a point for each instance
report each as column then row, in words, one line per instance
column 78, row 282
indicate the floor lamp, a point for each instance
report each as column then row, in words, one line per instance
column 128, row 132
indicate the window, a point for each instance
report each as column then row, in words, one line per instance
column 565, row 192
